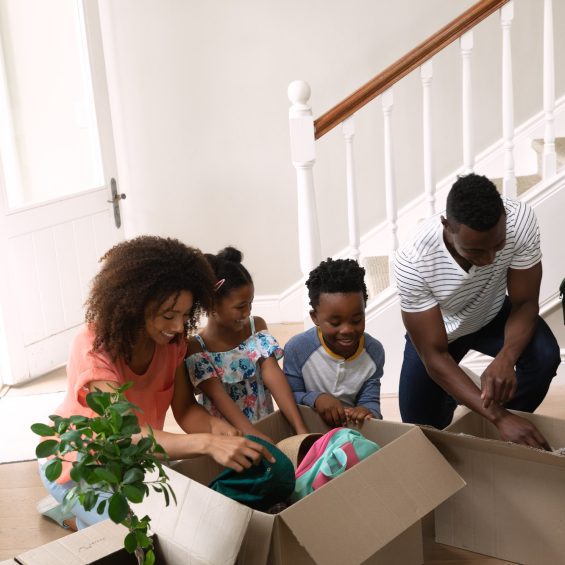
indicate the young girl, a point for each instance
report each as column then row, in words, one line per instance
column 147, row 296
column 233, row 360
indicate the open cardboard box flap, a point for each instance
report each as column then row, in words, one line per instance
column 85, row 546
column 473, row 432
column 208, row 525
column 373, row 502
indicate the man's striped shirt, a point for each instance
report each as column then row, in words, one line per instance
column 427, row 274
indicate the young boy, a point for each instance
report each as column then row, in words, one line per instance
column 335, row 367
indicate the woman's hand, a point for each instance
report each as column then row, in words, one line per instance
column 222, row 428
column 237, row 453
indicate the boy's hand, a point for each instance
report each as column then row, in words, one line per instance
column 331, row 410
column 358, row 415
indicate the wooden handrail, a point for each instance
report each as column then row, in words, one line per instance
column 413, row 59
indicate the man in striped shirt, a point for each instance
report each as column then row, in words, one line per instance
column 471, row 281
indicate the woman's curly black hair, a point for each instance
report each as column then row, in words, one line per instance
column 140, row 273
column 227, row 267
column 474, row 202
column 339, row 275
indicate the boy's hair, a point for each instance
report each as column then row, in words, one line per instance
column 138, row 273
column 474, row 202
column 340, row 275
column 228, row 270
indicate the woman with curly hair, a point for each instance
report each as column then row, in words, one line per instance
column 147, row 296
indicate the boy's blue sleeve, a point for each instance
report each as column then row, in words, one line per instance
column 370, row 393
column 292, row 368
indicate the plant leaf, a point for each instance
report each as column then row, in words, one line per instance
column 118, row 508
column 130, row 542
column 101, row 506
column 42, row 430
column 53, row 470
column 143, row 539
column 134, row 475
column 47, row 448
column 101, row 474
column 90, row 500
column 149, row 558
column 72, row 435
column 134, row 493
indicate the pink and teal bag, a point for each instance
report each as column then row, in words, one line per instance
column 330, row 456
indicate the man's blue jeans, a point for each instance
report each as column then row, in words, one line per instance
column 422, row 401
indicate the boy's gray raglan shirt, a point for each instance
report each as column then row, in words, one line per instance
column 312, row 370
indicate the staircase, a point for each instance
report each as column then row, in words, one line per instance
column 377, row 266
column 510, row 162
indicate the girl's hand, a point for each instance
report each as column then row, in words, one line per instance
column 222, row 428
column 358, row 415
column 237, row 453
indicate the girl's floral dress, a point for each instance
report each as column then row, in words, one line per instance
column 239, row 371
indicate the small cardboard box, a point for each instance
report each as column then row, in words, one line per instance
column 371, row 514
column 513, row 507
column 189, row 533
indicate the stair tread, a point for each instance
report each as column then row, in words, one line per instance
column 377, row 276
column 523, row 183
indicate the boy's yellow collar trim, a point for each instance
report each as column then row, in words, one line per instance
column 358, row 352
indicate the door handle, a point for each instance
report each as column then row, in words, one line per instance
column 116, row 197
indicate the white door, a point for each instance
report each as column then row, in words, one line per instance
column 56, row 171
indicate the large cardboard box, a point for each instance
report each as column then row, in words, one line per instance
column 371, row 514
column 513, row 506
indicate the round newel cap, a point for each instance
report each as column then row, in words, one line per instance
column 299, row 92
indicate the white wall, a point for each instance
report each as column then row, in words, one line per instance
column 199, row 102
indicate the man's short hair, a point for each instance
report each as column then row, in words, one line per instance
column 474, row 202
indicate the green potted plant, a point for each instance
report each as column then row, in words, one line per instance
column 110, row 468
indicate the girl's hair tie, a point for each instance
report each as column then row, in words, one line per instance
column 219, row 284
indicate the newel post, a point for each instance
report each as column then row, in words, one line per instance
column 303, row 155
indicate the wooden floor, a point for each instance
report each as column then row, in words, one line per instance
column 22, row 528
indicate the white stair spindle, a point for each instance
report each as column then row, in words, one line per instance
column 466, row 46
column 426, row 74
column 509, row 179
column 390, row 187
column 549, row 166
column 302, row 149
column 348, row 128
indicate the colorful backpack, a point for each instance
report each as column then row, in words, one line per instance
column 331, row 455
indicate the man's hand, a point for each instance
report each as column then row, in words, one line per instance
column 498, row 382
column 331, row 410
column 358, row 415
column 519, row 430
